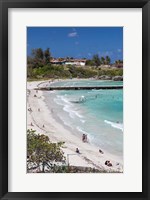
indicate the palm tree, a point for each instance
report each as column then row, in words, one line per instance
column 103, row 60
column 96, row 60
column 118, row 62
column 107, row 60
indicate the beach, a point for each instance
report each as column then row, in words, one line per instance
column 44, row 120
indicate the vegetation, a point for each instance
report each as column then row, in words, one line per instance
column 110, row 72
column 39, row 58
column 118, row 62
column 97, row 61
column 42, row 152
column 39, row 67
column 48, row 157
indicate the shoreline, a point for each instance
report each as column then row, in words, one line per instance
column 89, row 157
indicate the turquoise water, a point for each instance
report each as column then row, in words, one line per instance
column 86, row 83
column 100, row 115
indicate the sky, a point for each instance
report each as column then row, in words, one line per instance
column 77, row 42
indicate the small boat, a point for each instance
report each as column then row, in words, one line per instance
column 82, row 99
column 76, row 101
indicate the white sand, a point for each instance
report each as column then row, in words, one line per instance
column 89, row 157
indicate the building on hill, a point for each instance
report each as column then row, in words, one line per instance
column 57, row 62
column 77, row 62
column 117, row 65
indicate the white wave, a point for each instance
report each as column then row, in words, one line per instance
column 79, row 129
column 82, row 120
column 114, row 125
column 58, row 102
column 67, row 106
column 68, row 109
column 53, row 91
column 65, row 100
column 72, row 113
column 64, row 121
column 77, row 114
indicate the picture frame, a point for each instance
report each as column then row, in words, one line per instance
column 4, row 118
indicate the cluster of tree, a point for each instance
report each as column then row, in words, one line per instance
column 39, row 67
column 110, row 72
column 97, row 61
column 46, row 156
column 81, row 72
column 60, row 71
column 119, row 62
column 41, row 152
column 39, row 58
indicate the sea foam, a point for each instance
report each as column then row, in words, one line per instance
column 114, row 125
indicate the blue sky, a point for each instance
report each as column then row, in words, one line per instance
column 77, row 42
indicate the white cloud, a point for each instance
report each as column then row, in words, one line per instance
column 72, row 34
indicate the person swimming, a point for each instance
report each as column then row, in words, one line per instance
column 82, row 99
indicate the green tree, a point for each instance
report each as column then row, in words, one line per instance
column 107, row 60
column 90, row 63
column 118, row 62
column 41, row 151
column 96, row 60
column 102, row 60
column 47, row 56
column 37, row 58
column 38, row 53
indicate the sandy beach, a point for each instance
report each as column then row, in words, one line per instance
column 42, row 115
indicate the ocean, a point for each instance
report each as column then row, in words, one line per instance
column 97, row 113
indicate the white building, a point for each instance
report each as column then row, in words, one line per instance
column 76, row 62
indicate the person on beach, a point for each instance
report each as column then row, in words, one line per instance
column 32, row 124
column 43, row 126
column 101, row 151
column 108, row 163
column 38, row 109
column 84, row 138
column 29, row 109
column 77, row 150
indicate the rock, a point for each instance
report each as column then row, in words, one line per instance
column 117, row 78
column 39, row 77
column 104, row 77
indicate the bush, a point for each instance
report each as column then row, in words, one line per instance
column 41, row 151
column 65, row 71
